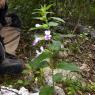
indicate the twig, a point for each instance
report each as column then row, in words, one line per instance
column 77, row 24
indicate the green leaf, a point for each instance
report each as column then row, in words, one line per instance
column 44, row 26
column 42, row 58
column 38, row 18
column 57, row 36
column 26, row 82
column 46, row 90
column 43, row 18
column 58, row 19
column 32, row 29
column 35, row 12
column 55, row 46
column 20, row 82
column 49, row 6
column 68, row 66
column 53, row 24
column 71, row 91
column 57, row 77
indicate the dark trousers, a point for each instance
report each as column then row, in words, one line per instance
column 3, row 12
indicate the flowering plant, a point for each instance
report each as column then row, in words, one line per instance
column 51, row 47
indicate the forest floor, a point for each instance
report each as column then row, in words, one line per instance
column 83, row 55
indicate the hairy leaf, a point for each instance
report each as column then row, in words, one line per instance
column 55, row 46
column 68, row 66
column 58, row 19
column 42, row 58
column 46, row 90
column 57, row 77
column 53, row 24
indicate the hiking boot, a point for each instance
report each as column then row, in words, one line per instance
column 11, row 66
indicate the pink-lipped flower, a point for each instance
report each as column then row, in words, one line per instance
column 47, row 35
column 37, row 39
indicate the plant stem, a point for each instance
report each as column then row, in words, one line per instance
column 53, row 77
column 52, row 68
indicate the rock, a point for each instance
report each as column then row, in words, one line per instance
column 23, row 91
column 11, row 91
column 65, row 73
column 8, row 91
column 59, row 91
column 85, row 67
column 48, row 76
column 62, row 54
column 90, row 30
column 34, row 93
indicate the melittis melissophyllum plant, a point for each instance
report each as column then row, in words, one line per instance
column 50, row 48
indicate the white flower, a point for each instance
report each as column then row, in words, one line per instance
column 37, row 25
column 47, row 32
column 42, row 48
column 39, row 52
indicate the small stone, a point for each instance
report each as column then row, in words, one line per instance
column 59, row 91
column 34, row 93
column 23, row 91
column 85, row 67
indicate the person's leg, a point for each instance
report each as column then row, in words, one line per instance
column 2, row 20
column 2, row 52
column 11, row 64
column 3, row 12
column 11, row 39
